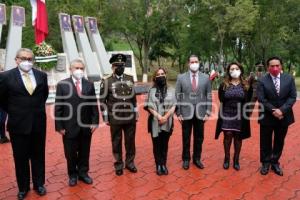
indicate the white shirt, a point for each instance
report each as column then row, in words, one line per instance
column 32, row 78
column 119, row 77
column 196, row 77
column 80, row 83
column 278, row 79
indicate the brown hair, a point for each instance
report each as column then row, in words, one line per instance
column 228, row 78
column 155, row 72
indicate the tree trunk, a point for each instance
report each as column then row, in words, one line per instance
column 145, row 62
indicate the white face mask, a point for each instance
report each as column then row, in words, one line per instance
column 235, row 73
column 25, row 66
column 194, row 67
column 78, row 74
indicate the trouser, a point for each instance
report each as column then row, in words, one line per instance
column 3, row 116
column 271, row 152
column 228, row 135
column 160, row 147
column 198, row 129
column 116, row 138
column 77, row 153
column 29, row 149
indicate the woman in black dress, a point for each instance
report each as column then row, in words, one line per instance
column 234, row 94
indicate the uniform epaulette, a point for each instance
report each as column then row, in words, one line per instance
column 107, row 76
column 128, row 75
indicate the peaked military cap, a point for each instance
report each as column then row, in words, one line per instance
column 117, row 58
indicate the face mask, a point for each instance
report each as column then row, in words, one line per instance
column 160, row 81
column 274, row 71
column 194, row 67
column 25, row 66
column 119, row 71
column 235, row 73
column 78, row 74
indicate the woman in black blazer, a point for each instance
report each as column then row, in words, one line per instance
column 234, row 94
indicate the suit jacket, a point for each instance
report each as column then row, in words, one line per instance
column 245, row 130
column 118, row 100
column 26, row 113
column 74, row 113
column 268, row 99
column 190, row 103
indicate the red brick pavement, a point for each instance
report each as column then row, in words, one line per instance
column 210, row 183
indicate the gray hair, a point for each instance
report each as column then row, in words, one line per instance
column 77, row 60
column 24, row 50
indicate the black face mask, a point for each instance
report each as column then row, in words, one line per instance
column 119, row 70
column 160, row 81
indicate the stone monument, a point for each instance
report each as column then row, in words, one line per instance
column 92, row 66
column 97, row 44
column 68, row 40
column 14, row 39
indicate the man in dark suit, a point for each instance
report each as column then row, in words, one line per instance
column 76, row 118
column 193, row 92
column 118, row 106
column 23, row 94
column 276, row 94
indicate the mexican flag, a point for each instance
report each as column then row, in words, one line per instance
column 39, row 20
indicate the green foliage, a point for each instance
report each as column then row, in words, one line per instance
column 220, row 31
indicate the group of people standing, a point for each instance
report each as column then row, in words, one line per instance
column 24, row 90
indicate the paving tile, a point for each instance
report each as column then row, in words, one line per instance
column 211, row 183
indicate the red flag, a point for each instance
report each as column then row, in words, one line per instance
column 41, row 21
column 213, row 75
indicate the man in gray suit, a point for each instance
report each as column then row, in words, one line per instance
column 193, row 92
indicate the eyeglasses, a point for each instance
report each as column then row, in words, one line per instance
column 25, row 58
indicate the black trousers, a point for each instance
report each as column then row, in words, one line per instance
column 2, row 123
column 116, row 138
column 271, row 152
column 29, row 149
column 198, row 128
column 77, row 153
column 160, row 147
column 2, row 130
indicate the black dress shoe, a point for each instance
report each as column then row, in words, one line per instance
column 276, row 168
column 264, row 170
column 164, row 169
column 119, row 172
column 40, row 190
column 4, row 140
column 198, row 164
column 186, row 165
column 236, row 165
column 226, row 164
column 132, row 169
column 86, row 179
column 159, row 171
column 72, row 181
column 22, row 194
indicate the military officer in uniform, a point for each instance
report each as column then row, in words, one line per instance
column 119, row 111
